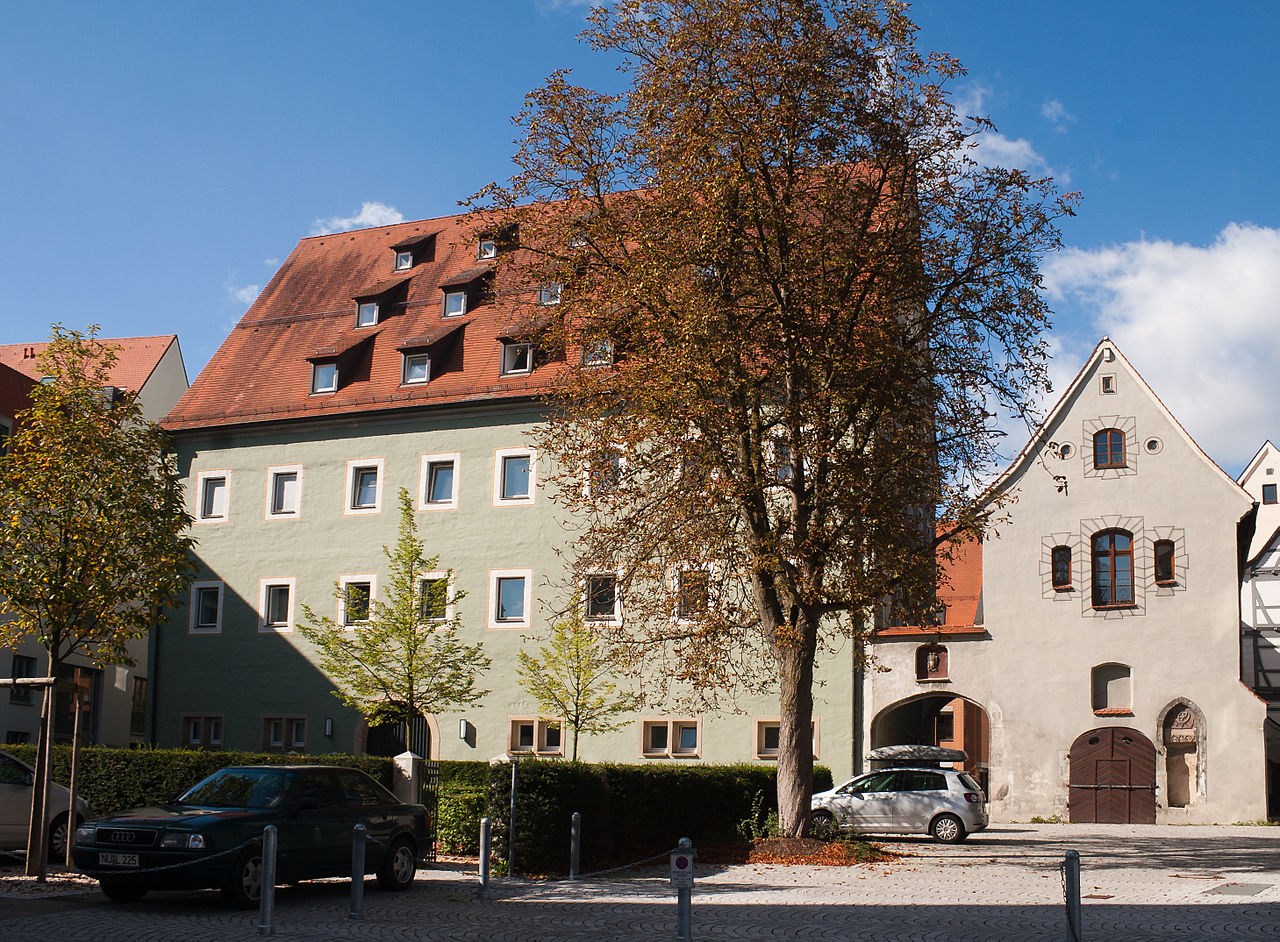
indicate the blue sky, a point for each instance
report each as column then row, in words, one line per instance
column 159, row 159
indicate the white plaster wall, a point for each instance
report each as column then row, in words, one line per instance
column 1033, row 676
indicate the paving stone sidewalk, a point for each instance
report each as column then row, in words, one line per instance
column 1138, row 883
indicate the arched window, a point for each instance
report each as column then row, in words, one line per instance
column 1061, row 561
column 1112, row 569
column 1108, row 448
column 1164, row 562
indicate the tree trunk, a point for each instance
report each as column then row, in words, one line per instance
column 39, row 821
column 795, row 734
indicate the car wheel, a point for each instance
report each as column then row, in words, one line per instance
column 822, row 825
column 398, row 866
column 947, row 829
column 243, row 887
column 122, row 889
column 59, row 832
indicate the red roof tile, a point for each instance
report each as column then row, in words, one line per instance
column 262, row 373
column 136, row 358
column 961, row 594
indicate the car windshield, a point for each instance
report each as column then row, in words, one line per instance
column 875, row 782
column 241, row 788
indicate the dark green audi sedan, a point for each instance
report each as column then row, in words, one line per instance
column 211, row 836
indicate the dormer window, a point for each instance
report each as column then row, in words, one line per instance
column 417, row 369
column 549, row 294
column 455, row 303
column 517, row 358
column 367, row 314
column 598, row 353
column 488, row 248
column 324, row 377
column 404, row 261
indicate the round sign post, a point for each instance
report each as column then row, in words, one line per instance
column 682, row 880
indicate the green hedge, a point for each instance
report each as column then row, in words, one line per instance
column 629, row 812
column 113, row 780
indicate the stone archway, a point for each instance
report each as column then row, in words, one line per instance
column 938, row 719
column 1180, row 730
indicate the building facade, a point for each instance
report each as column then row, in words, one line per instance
column 1101, row 681
column 374, row 361
column 113, row 698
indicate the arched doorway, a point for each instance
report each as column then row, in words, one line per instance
column 1113, row 777
column 938, row 719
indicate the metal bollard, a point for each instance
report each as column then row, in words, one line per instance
column 267, row 884
column 357, row 872
column 575, row 845
column 484, row 858
column 682, row 880
column 1071, row 888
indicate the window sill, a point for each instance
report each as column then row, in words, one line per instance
column 1113, row 607
column 1118, row 711
column 1167, row 583
column 933, row 680
column 1064, row 588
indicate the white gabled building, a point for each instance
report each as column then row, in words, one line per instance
column 1101, row 678
column 1260, row 605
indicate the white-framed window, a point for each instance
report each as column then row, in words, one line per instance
column 438, row 481
column 404, row 261
column 536, row 735
column 603, row 472
column 275, row 604
column 598, row 353
column 284, row 492
column 213, row 496
column 355, row 593
column 455, row 303
column 671, row 737
column 324, row 377
column 202, row 732
column 693, row 593
column 767, row 736
column 550, row 294
column 206, row 607
column 284, row 733
column 516, row 358
column 364, row 486
column 488, row 248
column 602, row 598
column 367, row 314
column 510, row 598
column 417, row 369
column 435, row 597
column 515, row 476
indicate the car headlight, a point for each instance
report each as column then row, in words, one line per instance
column 85, row 835
column 188, row 841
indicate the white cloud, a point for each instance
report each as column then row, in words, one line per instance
column 244, row 295
column 993, row 149
column 370, row 214
column 1198, row 322
column 271, row 262
column 1056, row 114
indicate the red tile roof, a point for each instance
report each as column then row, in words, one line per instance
column 961, row 594
column 262, row 371
column 136, row 358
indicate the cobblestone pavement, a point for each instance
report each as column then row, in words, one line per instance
column 1003, row 884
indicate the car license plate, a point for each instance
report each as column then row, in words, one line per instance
column 106, row 859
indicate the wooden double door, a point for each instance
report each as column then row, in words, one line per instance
column 1113, row 777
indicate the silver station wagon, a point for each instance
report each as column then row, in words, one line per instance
column 942, row 802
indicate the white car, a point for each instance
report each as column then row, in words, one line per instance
column 943, row 802
column 16, row 788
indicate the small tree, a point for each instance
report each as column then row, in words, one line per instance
column 91, row 524
column 569, row 677
column 404, row 659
